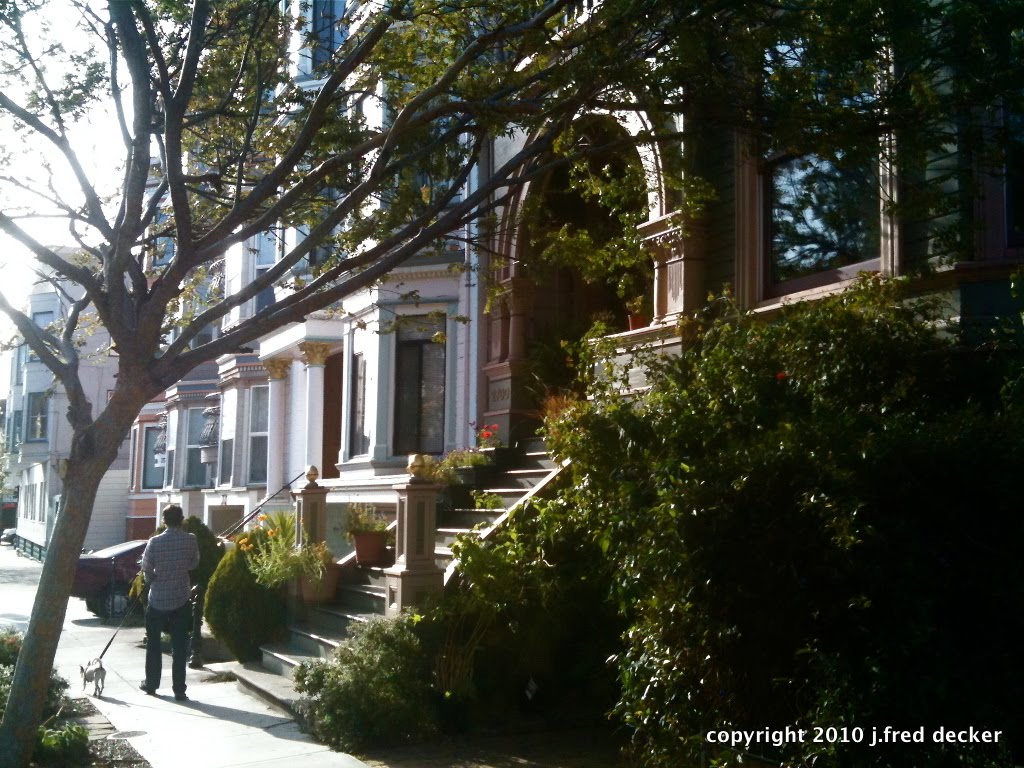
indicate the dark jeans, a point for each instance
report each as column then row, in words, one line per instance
column 177, row 622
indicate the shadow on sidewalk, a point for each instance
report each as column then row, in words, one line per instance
column 244, row 717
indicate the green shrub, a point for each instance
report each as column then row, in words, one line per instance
column 375, row 689
column 812, row 521
column 486, row 500
column 211, row 550
column 242, row 613
column 65, row 746
column 10, row 647
column 531, row 605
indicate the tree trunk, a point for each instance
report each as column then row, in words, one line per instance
column 89, row 460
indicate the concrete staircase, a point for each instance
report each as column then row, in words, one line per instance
column 361, row 594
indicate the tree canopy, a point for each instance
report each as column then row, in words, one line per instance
column 234, row 119
column 231, row 127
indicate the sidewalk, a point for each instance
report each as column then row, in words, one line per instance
column 220, row 726
column 223, row 727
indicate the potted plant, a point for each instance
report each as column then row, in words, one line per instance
column 468, row 466
column 274, row 559
column 639, row 311
column 367, row 528
column 488, row 443
column 317, row 557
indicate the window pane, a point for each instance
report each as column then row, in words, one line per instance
column 195, row 470
column 419, row 387
column 266, row 251
column 359, row 441
column 432, row 399
column 169, row 476
column 407, row 399
column 38, row 412
column 195, row 425
column 1015, row 181
column 258, row 416
column 19, row 362
column 327, row 32
column 823, row 216
column 16, row 428
column 42, row 319
column 265, row 297
column 152, row 475
column 258, row 459
column 226, row 460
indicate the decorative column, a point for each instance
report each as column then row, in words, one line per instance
column 519, row 305
column 314, row 354
column 679, row 266
column 277, row 371
column 310, row 510
column 415, row 576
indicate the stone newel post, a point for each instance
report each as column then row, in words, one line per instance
column 414, row 576
column 310, row 509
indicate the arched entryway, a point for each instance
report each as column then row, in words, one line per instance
column 577, row 262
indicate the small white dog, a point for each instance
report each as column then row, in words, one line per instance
column 94, row 673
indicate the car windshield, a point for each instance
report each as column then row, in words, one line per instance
column 117, row 549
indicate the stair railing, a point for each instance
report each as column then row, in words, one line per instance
column 236, row 527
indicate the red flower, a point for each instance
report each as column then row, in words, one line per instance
column 780, row 376
column 485, row 434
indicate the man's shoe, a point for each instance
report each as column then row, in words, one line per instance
column 180, row 697
column 146, row 689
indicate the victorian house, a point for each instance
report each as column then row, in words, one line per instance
column 460, row 336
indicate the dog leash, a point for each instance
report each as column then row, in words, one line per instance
column 127, row 613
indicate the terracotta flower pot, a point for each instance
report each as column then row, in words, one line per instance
column 638, row 321
column 370, row 547
column 323, row 590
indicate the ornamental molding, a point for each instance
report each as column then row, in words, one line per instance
column 404, row 277
column 278, row 367
column 315, row 352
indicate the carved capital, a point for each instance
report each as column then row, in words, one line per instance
column 315, row 352
column 277, row 367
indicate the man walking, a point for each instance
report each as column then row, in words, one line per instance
column 166, row 562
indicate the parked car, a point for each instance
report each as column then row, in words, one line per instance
column 7, row 537
column 102, row 578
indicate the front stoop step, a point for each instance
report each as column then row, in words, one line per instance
column 446, row 536
column 365, row 598
column 525, row 479
column 336, row 619
column 283, row 658
column 541, row 459
column 310, row 641
column 274, row 689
